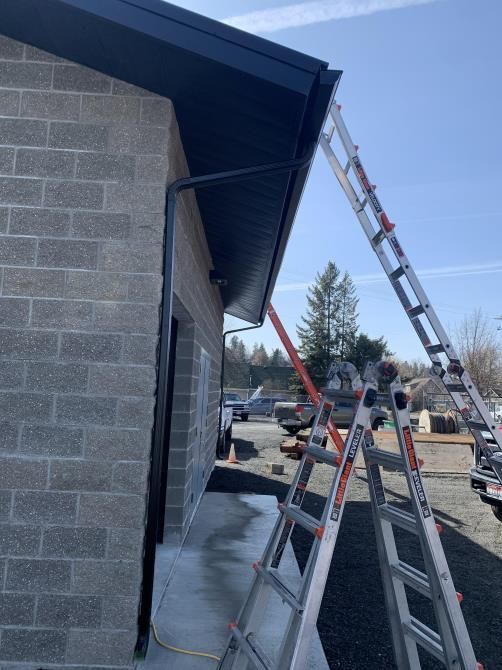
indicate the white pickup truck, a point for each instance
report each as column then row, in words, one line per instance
column 226, row 425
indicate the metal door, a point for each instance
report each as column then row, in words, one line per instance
column 201, row 421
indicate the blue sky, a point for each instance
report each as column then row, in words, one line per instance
column 421, row 95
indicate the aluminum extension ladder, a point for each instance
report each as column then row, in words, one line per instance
column 451, row 644
column 455, row 377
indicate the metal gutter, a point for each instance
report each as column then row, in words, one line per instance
column 159, row 437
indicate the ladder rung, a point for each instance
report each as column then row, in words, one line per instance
column 347, row 167
column 377, row 239
column 361, row 204
column 252, row 651
column 399, row 517
column 385, row 458
column 415, row 311
column 412, row 577
column 396, row 274
column 425, row 637
column 283, row 591
column 328, row 457
column 434, row 348
column 455, row 388
column 477, row 425
column 302, row 518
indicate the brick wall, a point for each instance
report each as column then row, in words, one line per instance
column 84, row 161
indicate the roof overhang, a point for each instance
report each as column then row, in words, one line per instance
column 240, row 100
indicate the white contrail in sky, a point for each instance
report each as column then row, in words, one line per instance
column 306, row 13
column 430, row 273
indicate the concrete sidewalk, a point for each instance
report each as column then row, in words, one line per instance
column 210, row 579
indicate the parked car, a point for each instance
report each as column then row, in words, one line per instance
column 295, row 416
column 264, row 406
column 239, row 406
column 484, row 481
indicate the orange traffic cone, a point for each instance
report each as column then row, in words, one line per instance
column 232, row 458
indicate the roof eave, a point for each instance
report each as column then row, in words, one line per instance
column 315, row 116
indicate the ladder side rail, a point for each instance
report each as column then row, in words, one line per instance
column 470, row 388
column 249, row 618
column 298, row 488
column 396, row 601
column 282, row 530
column 429, row 312
column 259, row 592
column 369, row 230
column 457, row 646
column 302, row 372
column 296, row 644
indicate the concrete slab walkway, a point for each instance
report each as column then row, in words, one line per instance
column 210, row 580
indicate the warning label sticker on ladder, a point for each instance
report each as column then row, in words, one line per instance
column 415, row 474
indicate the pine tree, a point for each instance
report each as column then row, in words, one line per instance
column 236, row 363
column 259, row 355
column 365, row 349
column 236, row 350
column 319, row 334
column 278, row 358
column 346, row 315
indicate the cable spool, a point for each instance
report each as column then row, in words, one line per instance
column 438, row 422
column 424, row 420
column 451, row 418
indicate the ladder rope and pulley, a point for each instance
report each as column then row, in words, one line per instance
column 450, row 644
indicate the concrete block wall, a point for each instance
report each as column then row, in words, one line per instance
column 199, row 310
column 84, row 161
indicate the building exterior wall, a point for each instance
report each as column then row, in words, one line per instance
column 199, row 312
column 84, row 161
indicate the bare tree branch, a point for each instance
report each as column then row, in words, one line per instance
column 480, row 350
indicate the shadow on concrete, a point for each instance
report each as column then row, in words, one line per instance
column 244, row 449
column 353, row 619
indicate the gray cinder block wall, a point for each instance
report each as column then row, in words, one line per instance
column 84, row 161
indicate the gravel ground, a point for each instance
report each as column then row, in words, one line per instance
column 353, row 622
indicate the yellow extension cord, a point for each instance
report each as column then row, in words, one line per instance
column 177, row 649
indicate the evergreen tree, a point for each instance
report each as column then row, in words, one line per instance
column 346, row 315
column 364, row 350
column 319, row 335
column 236, row 364
column 236, row 350
column 278, row 358
column 259, row 355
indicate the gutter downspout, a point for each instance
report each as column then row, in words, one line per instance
column 159, row 439
column 222, row 376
